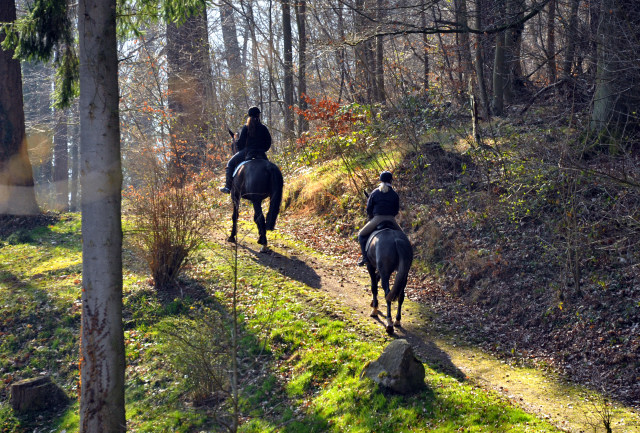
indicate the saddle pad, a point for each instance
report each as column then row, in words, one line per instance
column 372, row 235
column 238, row 167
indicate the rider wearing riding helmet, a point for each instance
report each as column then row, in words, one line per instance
column 383, row 205
column 254, row 142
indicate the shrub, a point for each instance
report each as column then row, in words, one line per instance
column 198, row 348
column 168, row 221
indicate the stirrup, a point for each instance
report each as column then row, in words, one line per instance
column 363, row 261
column 225, row 190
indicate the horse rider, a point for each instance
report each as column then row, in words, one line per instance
column 382, row 206
column 254, row 142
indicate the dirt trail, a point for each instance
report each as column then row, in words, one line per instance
column 533, row 390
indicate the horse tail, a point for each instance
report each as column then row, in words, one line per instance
column 277, row 185
column 405, row 258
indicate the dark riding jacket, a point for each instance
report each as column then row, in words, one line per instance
column 383, row 203
column 250, row 147
column 259, row 143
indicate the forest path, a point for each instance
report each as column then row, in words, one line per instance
column 326, row 262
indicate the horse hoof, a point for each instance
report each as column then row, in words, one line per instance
column 390, row 330
column 231, row 239
column 264, row 249
column 375, row 313
column 397, row 324
column 262, row 241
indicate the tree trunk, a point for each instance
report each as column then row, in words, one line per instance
column 551, row 42
column 17, row 193
column 483, row 109
column 425, row 43
column 617, row 93
column 571, row 40
column 512, row 47
column 61, row 163
column 499, row 72
column 74, row 154
column 465, row 49
column 288, row 68
column 190, row 95
column 232, row 54
column 255, row 65
column 606, row 101
column 361, row 84
column 379, row 72
column 301, row 14
column 102, row 360
column 346, row 81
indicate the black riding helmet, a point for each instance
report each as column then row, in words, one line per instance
column 254, row 112
column 386, row 176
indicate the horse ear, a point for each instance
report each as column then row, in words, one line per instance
column 366, row 194
column 230, row 132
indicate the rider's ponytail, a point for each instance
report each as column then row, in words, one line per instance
column 253, row 121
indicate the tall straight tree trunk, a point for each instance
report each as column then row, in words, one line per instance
column 425, row 42
column 571, row 39
column 17, row 193
column 232, row 53
column 551, row 42
column 61, row 162
column 190, row 94
column 301, row 18
column 361, row 56
column 341, row 55
column 288, row 68
column 464, row 46
column 617, row 92
column 74, row 154
column 499, row 73
column 370, row 70
column 379, row 72
column 102, row 360
column 512, row 48
column 255, row 65
column 484, row 110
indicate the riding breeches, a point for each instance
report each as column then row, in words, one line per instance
column 375, row 221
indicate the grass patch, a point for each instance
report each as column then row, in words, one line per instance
column 299, row 363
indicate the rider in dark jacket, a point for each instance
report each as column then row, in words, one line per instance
column 254, row 142
column 383, row 205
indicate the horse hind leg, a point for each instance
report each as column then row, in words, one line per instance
column 389, row 320
column 234, row 219
column 374, row 290
column 258, row 217
column 398, row 323
column 384, row 280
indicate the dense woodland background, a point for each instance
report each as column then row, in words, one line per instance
column 190, row 80
column 511, row 127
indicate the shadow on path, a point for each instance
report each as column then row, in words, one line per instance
column 426, row 350
column 290, row 267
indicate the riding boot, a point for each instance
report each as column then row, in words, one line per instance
column 227, row 183
column 363, row 247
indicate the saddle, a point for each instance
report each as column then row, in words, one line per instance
column 384, row 225
column 249, row 158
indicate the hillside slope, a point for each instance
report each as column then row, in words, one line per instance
column 527, row 244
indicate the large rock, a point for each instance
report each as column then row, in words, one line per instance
column 36, row 394
column 397, row 369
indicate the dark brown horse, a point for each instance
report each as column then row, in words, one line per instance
column 389, row 251
column 257, row 180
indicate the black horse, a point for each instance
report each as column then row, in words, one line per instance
column 389, row 251
column 255, row 181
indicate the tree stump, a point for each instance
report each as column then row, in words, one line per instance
column 36, row 394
